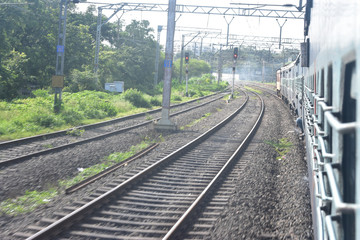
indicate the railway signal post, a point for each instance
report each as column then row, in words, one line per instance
column 187, row 72
column 236, row 54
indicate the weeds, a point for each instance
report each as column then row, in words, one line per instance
column 48, row 146
column 253, row 90
column 281, row 147
column 27, row 202
column 195, row 121
column 75, row 132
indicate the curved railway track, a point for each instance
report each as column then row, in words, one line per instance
column 15, row 151
column 162, row 200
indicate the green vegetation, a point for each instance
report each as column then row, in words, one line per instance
column 76, row 132
column 27, row 203
column 33, row 199
column 31, row 116
column 282, row 146
column 253, row 90
column 195, row 121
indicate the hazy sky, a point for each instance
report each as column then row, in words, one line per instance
column 240, row 25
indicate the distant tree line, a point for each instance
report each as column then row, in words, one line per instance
column 28, row 38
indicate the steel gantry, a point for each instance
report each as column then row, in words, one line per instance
column 243, row 10
column 249, row 10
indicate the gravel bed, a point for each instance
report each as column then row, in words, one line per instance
column 271, row 201
column 272, row 198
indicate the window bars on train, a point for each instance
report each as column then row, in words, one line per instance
column 327, row 187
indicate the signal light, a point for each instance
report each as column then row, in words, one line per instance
column 186, row 57
column 236, row 53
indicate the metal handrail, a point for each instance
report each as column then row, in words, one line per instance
column 338, row 203
column 324, row 153
column 342, row 128
column 330, row 227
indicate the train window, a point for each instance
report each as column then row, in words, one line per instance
column 328, row 94
column 348, row 114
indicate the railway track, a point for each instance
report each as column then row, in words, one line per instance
column 162, row 200
column 15, row 151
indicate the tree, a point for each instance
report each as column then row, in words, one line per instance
column 83, row 80
column 12, row 75
column 196, row 68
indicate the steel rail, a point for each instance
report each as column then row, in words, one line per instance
column 66, row 221
column 111, row 169
column 100, row 136
column 174, row 231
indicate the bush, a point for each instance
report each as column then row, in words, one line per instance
column 94, row 113
column 72, row 117
column 41, row 93
column 136, row 98
column 108, row 108
column 176, row 98
column 191, row 93
column 47, row 120
column 155, row 101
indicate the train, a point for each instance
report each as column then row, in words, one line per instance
column 322, row 86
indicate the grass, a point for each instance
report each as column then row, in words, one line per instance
column 32, row 116
column 282, row 146
column 27, row 203
column 75, row 132
column 33, row 199
column 195, row 121
column 253, row 90
column 110, row 160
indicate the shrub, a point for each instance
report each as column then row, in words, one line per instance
column 176, row 98
column 41, row 93
column 72, row 117
column 136, row 98
column 47, row 120
column 155, row 101
column 191, row 93
column 108, row 108
column 94, row 113
column 200, row 93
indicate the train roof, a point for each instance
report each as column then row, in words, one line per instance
column 291, row 64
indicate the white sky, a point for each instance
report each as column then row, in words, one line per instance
column 254, row 26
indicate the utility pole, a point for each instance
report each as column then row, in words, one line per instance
column 165, row 123
column 182, row 52
column 220, row 64
column 281, row 26
column 263, row 71
column 157, row 56
column 98, row 33
column 58, row 79
column 187, row 56
column 181, row 56
column 228, row 28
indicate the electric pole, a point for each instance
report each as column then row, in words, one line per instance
column 58, row 79
column 165, row 123
column 157, row 56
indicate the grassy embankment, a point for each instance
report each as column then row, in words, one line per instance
column 31, row 116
